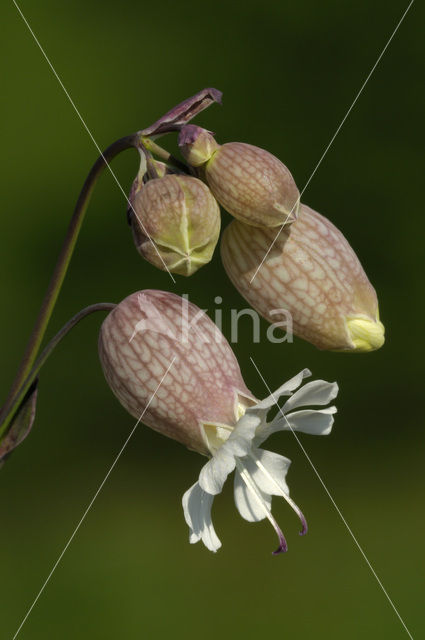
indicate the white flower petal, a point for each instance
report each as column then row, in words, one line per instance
column 270, row 476
column 248, row 503
column 316, row 392
column 214, row 473
column 316, row 422
column 285, row 390
column 240, row 440
column 197, row 513
column 272, row 481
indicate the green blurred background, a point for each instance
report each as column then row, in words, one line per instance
column 289, row 71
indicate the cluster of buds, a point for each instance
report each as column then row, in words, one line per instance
column 167, row 362
column 279, row 253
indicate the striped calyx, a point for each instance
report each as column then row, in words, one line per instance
column 311, row 272
column 170, row 366
column 252, row 184
column 175, row 221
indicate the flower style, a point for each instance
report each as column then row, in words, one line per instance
column 170, row 366
column 259, row 474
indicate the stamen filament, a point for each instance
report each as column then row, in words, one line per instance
column 284, row 495
column 283, row 546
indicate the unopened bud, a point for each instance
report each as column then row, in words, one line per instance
column 249, row 182
column 311, row 272
column 196, row 144
column 175, row 222
column 170, row 367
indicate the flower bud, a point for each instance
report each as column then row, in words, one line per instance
column 311, row 271
column 252, row 185
column 249, row 182
column 175, row 221
column 196, row 144
column 155, row 340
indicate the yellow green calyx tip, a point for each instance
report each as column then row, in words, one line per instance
column 365, row 334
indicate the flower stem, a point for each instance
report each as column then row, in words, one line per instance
column 27, row 382
column 154, row 148
column 61, row 267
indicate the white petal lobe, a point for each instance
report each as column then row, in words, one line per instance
column 247, row 503
column 268, row 471
column 316, row 392
column 214, row 473
column 197, row 512
column 318, row 423
column 285, row 390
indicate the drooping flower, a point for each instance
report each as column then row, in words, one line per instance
column 249, row 182
column 310, row 271
column 171, row 367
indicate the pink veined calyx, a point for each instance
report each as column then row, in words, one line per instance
column 170, row 367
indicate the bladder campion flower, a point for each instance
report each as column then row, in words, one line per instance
column 311, row 271
column 175, row 221
column 249, row 182
column 169, row 365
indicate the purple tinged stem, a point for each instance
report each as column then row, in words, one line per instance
column 48, row 349
column 61, row 268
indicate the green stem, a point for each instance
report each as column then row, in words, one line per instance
column 154, row 148
column 62, row 265
column 18, row 398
